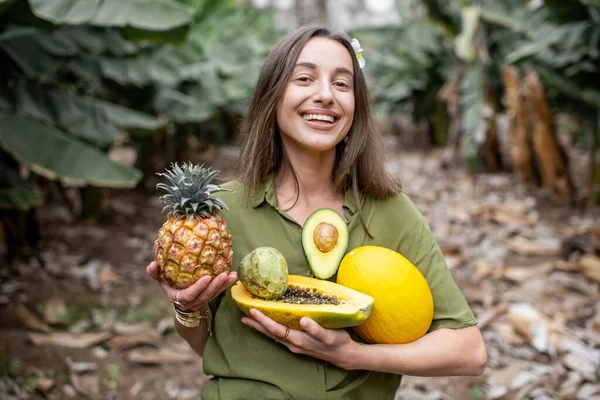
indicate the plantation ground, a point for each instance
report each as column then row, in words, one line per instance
column 508, row 249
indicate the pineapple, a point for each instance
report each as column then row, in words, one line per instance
column 194, row 241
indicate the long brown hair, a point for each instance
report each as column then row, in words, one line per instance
column 359, row 161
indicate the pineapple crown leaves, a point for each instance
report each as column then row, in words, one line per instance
column 189, row 191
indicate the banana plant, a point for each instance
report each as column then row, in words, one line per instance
column 406, row 69
column 44, row 106
column 164, row 21
column 76, row 78
column 55, row 124
column 561, row 41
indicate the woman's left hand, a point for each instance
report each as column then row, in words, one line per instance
column 331, row 345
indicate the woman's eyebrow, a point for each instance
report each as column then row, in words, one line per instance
column 338, row 70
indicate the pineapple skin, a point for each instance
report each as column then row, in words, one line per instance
column 190, row 248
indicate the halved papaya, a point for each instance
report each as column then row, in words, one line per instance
column 353, row 309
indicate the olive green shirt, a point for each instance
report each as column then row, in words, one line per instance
column 248, row 365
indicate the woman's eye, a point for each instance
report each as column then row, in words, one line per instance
column 303, row 79
column 341, row 84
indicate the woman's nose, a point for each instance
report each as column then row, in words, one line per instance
column 324, row 93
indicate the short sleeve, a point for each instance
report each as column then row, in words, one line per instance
column 418, row 245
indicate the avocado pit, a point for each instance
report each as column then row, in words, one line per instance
column 325, row 237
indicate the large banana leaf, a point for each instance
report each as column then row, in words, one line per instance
column 19, row 198
column 126, row 118
column 139, row 71
column 22, row 47
column 38, row 52
column 221, row 42
column 588, row 95
column 438, row 13
column 403, row 61
column 161, row 20
column 69, row 41
column 86, row 117
column 54, row 155
column 16, row 193
column 182, row 107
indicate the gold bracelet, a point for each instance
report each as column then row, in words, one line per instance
column 192, row 319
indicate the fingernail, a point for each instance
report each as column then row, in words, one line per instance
column 305, row 323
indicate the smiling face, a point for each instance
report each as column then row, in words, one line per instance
column 317, row 108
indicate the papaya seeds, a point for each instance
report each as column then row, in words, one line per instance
column 304, row 295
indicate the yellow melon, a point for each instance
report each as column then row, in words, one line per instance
column 403, row 309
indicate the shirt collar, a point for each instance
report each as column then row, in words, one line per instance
column 265, row 192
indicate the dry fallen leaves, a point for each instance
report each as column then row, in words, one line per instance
column 55, row 311
column 164, row 355
column 527, row 247
column 589, row 266
column 119, row 343
column 29, row 319
column 65, row 339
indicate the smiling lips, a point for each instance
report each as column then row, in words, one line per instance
column 312, row 117
column 319, row 119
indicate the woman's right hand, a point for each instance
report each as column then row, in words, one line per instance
column 195, row 296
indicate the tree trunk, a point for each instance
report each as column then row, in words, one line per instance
column 451, row 95
column 552, row 158
column 536, row 154
column 19, row 229
column 521, row 155
column 491, row 155
column 91, row 203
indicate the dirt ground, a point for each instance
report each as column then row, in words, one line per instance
column 88, row 279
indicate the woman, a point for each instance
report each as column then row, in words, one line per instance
column 309, row 143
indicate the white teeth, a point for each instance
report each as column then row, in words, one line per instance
column 319, row 117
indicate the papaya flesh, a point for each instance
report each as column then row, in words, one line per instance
column 353, row 309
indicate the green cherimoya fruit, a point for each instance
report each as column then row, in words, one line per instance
column 324, row 241
column 264, row 273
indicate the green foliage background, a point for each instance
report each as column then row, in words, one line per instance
column 78, row 76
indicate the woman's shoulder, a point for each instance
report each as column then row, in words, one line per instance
column 399, row 205
column 235, row 197
column 233, row 192
column 232, row 186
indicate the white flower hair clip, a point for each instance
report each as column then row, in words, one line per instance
column 358, row 50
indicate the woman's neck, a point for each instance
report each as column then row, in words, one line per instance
column 314, row 172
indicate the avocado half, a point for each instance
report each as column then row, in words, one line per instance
column 324, row 241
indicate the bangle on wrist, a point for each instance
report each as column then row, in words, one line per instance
column 192, row 319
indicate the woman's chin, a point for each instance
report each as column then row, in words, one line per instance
column 318, row 146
